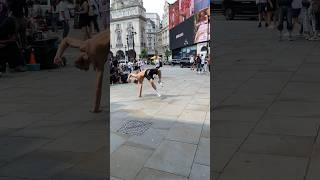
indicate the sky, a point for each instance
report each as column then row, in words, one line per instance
column 156, row 6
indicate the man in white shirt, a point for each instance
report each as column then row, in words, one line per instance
column 192, row 62
column 64, row 16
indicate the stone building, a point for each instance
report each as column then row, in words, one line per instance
column 127, row 27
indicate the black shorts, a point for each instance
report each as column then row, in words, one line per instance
column 84, row 20
column 149, row 73
column 262, row 7
column 296, row 12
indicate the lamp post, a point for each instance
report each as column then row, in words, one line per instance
column 128, row 42
column 132, row 35
column 125, row 52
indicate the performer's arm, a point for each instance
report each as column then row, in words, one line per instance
column 66, row 42
column 99, row 80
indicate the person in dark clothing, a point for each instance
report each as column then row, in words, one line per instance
column 285, row 11
column 9, row 50
column 198, row 62
column 19, row 10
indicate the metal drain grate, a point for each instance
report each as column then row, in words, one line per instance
column 135, row 128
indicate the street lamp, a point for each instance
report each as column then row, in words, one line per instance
column 128, row 41
column 132, row 35
column 125, row 52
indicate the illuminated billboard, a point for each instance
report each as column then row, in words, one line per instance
column 202, row 26
column 174, row 16
column 186, row 9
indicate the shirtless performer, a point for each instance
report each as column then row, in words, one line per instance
column 92, row 51
column 148, row 73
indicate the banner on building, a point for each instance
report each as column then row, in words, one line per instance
column 183, row 34
column 174, row 16
column 186, row 9
column 202, row 26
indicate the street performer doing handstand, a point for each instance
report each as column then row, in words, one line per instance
column 148, row 73
column 92, row 51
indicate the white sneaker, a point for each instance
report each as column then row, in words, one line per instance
column 158, row 94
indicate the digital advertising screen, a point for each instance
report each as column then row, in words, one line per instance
column 183, row 34
column 202, row 26
column 200, row 5
column 186, row 9
column 174, row 16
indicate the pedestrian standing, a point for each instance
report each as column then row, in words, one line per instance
column 285, row 12
column 54, row 16
column 198, row 61
column 270, row 11
column 19, row 11
column 192, row 62
column 142, row 65
column 64, row 17
column 203, row 59
column 209, row 63
column 84, row 21
column 296, row 10
column 306, row 25
column 103, row 8
column 93, row 14
column 262, row 7
column 315, row 13
column 206, row 64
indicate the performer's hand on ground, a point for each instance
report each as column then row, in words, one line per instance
column 58, row 60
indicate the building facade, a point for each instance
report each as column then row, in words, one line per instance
column 163, row 34
column 127, row 27
column 152, row 29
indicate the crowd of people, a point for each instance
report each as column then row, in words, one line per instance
column 200, row 63
column 23, row 21
column 302, row 17
column 119, row 71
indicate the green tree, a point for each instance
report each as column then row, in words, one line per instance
column 144, row 53
column 167, row 53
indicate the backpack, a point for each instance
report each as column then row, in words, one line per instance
column 160, row 63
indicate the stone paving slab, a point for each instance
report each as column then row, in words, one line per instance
column 127, row 161
column 183, row 132
column 264, row 167
column 152, row 174
column 276, row 92
column 200, row 172
column 203, row 153
column 294, row 146
column 173, row 157
column 278, row 125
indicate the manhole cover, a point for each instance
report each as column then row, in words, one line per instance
column 135, row 127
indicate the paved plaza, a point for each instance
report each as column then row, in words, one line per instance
column 163, row 138
column 267, row 105
column 46, row 129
